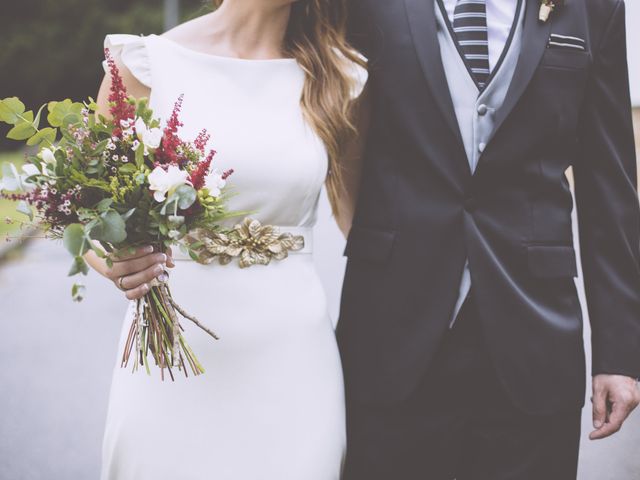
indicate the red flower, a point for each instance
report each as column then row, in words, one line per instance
column 201, row 141
column 120, row 107
column 200, row 172
column 168, row 151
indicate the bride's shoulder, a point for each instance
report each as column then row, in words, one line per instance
column 130, row 54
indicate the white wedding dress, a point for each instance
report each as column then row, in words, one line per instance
column 270, row 405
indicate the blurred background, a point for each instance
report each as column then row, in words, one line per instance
column 57, row 357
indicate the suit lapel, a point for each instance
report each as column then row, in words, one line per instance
column 535, row 36
column 422, row 22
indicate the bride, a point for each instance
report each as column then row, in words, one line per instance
column 276, row 84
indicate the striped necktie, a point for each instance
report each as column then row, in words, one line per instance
column 470, row 27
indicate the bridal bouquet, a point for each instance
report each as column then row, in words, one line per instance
column 111, row 184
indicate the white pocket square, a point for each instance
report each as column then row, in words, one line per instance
column 566, row 41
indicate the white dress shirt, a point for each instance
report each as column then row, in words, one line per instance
column 500, row 15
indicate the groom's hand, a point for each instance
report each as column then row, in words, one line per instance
column 614, row 398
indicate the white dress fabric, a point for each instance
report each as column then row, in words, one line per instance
column 271, row 404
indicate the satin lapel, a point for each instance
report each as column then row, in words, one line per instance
column 422, row 22
column 535, row 36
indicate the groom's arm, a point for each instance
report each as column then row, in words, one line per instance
column 609, row 222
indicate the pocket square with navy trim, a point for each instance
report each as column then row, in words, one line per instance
column 566, row 41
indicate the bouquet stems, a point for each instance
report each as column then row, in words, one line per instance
column 156, row 330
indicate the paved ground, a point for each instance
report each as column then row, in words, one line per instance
column 56, row 359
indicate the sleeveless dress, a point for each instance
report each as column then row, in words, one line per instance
column 270, row 405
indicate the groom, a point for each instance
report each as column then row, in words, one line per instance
column 460, row 329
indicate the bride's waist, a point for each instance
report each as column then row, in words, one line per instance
column 277, row 282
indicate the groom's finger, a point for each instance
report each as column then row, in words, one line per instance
column 618, row 415
column 599, row 408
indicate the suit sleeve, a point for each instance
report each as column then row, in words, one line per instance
column 608, row 209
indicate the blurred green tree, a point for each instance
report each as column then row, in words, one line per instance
column 52, row 49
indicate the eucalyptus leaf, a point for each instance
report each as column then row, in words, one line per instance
column 58, row 111
column 186, row 196
column 111, row 228
column 11, row 109
column 36, row 121
column 125, row 216
column 71, row 119
column 104, row 205
column 47, row 135
column 78, row 266
column 74, row 240
column 22, row 131
column 77, row 292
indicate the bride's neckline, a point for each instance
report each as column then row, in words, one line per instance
column 191, row 51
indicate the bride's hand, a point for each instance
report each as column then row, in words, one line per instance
column 132, row 271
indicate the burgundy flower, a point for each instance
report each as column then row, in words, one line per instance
column 201, row 140
column 171, row 143
column 120, row 107
column 200, row 172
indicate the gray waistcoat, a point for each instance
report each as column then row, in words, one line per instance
column 475, row 112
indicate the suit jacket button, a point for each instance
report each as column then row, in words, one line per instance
column 482, row 109
column 470, row 204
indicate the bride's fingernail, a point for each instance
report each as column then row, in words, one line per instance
column 145, row 288
column 148, row 249
column 158, row 269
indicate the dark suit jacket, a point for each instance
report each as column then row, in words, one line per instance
column 421, row 213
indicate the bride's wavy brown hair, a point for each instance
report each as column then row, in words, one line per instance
column 316, row 38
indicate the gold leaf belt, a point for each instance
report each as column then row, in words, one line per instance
column 250, row 242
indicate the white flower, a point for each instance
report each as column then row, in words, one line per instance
column 14, row 181
column 30, row 169
column 163, row 182
column 48, row 160
column 215, row 183
column 48, row 156
column 135, row 146
column 150, row 137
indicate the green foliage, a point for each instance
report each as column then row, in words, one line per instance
column 75, row 240
column 109, row 228
column 11, row 109
column 77, row 292
column 64, row 113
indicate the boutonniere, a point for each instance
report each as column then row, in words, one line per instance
column 548, row 6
